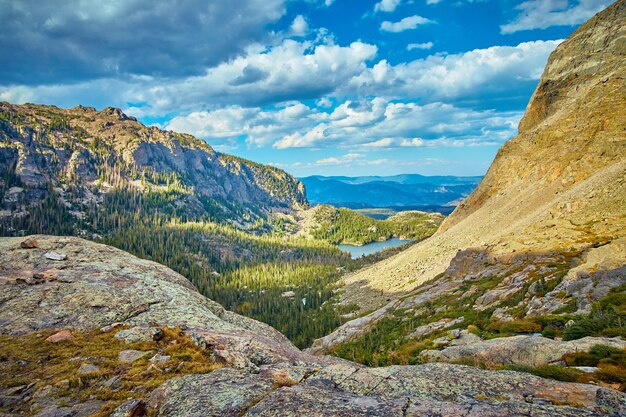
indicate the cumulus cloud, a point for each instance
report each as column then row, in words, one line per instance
column 342, row 160
column 291, row 70
column 410, row 22
column 542, row 14
column 381, row 143
column 368, row 124
column 303, row 70
column 299, row 26
column 386, row 5
column 77, row 40
column 472, row 73
column 425, row 45
column 261, row 127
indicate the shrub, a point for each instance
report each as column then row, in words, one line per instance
column 611, row 374
column 559, row 373
column 580, row 359
column 604, row 351
column 515, row 326
column 473, row 330
column 589, row 325
column 570, row 307
column 550, row 332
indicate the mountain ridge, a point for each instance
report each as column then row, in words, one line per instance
column 43, row 146
column 409, row 190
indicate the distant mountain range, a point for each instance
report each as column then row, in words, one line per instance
column 434, row 193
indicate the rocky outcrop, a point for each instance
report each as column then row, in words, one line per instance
column 428, row 390
column 96, row 286
column 518, row 350
column 555, row 190
column 47, row 147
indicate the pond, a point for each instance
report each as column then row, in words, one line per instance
column 370, row 248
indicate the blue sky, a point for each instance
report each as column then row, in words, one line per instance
column 333, row 87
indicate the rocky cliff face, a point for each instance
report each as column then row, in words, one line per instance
column 550, row 209
column 53, row 289
column 87, row 153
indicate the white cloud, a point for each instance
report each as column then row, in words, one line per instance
column 291, row 70
column 260, row 127
column 299, row 27
column 425, row 45
column 302, row 70
column 324, row 102
column 416, row 142
column 542, row 14
column 477, row 72
column 342, row 160
column 407, row 23
column 365, row 124
column 386, row 5
column 381, row 143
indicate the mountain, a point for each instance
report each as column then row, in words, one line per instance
column 223, row 222
column 80, row 155
column 411, row 190
column 539, row 244
column 87, row 329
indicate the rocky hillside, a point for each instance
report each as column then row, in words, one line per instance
column 80, row 155
column 543, row 234
column 86, row 329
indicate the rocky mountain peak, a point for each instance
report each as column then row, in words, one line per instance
column 557, row 147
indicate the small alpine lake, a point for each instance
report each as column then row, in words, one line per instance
column 370, row 248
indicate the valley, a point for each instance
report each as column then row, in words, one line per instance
column 104, row 176
column 143, row 273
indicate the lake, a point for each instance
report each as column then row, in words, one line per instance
column 370, row 248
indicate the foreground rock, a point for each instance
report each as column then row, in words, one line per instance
column 99, row 287
column 518, row 350
column 428, row 390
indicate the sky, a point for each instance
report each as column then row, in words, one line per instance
column 329, row 87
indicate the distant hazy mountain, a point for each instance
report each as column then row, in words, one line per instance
column 408, row 190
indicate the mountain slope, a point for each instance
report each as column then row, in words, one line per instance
column 551, row 204
column 86, row 153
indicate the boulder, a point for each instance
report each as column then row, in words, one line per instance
column 55, row 256
column 61, row 336
column 130, row 355
column 87, row 368
column 105, row 287
column 29, row 243
column 517, row 350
